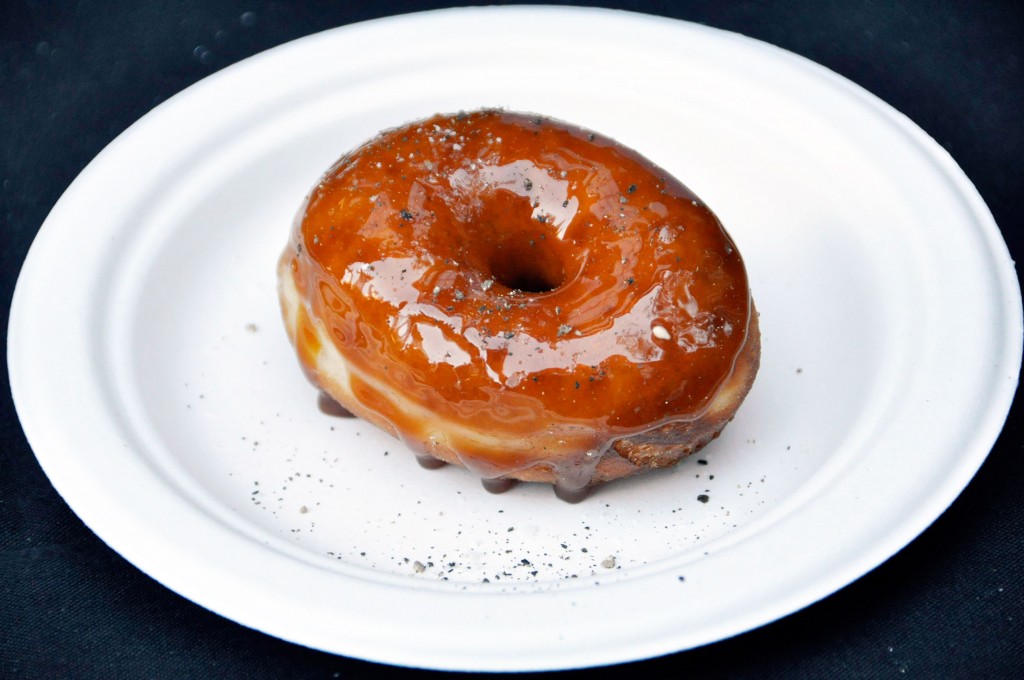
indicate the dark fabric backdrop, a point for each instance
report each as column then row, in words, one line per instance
column 74, row 75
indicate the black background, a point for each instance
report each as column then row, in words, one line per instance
column 74, row 75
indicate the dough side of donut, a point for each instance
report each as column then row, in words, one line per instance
column 661, row 447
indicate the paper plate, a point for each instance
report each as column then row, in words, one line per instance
column 157, row 388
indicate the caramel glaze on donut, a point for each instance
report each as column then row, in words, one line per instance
column 522, row 297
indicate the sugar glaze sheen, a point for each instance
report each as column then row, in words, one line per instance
column 522, row 297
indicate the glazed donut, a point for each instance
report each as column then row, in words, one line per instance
column 522, row 297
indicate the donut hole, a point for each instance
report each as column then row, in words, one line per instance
column 527, row 263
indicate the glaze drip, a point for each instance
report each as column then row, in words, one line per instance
column 329, row 406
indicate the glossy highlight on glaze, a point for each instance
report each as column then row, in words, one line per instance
column 516, row 295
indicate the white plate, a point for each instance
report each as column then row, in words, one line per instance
column 157, row 388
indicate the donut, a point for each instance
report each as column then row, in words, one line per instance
column 522, row 297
